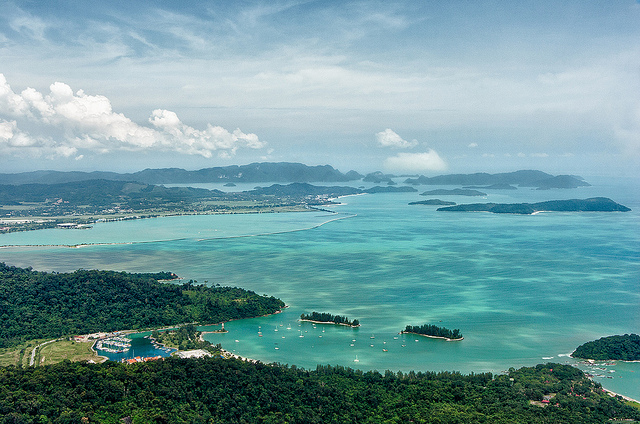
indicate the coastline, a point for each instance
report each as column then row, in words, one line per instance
column 614, row 394
column 433, row 337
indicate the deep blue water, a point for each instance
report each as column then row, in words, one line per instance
column 522, row 289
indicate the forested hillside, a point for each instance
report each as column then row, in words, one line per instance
column 625, row 348
column 42, row 305
column 213, row 390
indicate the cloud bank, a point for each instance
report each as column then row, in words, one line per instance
column 63, row 124
column 428, row 161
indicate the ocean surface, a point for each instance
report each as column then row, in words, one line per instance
column 522, row 290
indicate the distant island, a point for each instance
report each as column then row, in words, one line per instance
column 436, row 202
column 623, row 348
column 453, row 192
column 499, row 186
column 325, row 318
column 434, row 331
column 594, row 204
column 524, row 178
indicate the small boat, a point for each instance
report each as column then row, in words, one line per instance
column 385, row 350
column 356, row 360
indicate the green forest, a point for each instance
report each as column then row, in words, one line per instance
column 187, row 337
column 434, row 330
column 214, row 390
column 328, row 318
column 624, row 348
column 46, row 305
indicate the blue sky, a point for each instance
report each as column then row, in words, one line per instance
column 399, row 86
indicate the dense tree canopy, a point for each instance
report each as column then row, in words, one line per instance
column 329, row 318
column 41, row 305
column 624, row 348
column 434, row 330
column 213, row 390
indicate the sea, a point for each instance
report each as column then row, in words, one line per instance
column 522, row 289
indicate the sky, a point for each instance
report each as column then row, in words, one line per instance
column 403, row 87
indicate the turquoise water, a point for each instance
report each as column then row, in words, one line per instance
column 520, row 288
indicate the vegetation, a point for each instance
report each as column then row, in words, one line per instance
column 624, row 348
column 48, row 305
column 214, row 390
column 71, row 350
column 186, row 337
column 434, row 331
column 594, row 204
column 328, row 318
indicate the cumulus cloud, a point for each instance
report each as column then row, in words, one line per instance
column 416, row 162
column 472, row 145
column 64, row 123
column 389, row 138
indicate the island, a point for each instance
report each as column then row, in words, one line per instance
column 325, row 318
column 523, row 178
column 498, row 186
column 433, row 331
column 435, row 202
column 594, row 204
column 623, row 348
column 453, row 192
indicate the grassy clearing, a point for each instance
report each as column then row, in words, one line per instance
column 66, row 349
column 18, row 354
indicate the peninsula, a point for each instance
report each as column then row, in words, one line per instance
column 434, row 331
column 325, row 318
column 594, row 204
column 623, row 348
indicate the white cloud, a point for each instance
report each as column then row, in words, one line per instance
column 472, row 145
column 389, row 138
column 539, row 155
column 62, row 123
column 415, row 162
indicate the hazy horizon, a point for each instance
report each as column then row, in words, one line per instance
column 398, row 87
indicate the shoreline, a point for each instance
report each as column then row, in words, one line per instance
column 433, row 337
column 614, row 394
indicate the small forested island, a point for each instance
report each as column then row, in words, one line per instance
column 594, row 204
column 325, row 318
column 434, row 331
column 35, row 305
column 435, row 202
column 623, row 348
column 215, row 390
column 453, row 192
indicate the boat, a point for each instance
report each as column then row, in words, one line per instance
column 356, row 360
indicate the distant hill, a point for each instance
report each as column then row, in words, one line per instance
column 252, row 173
column 454, row 192
column 594, row 204
column 433, row 202
column 524, row 178
column 101, row 193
